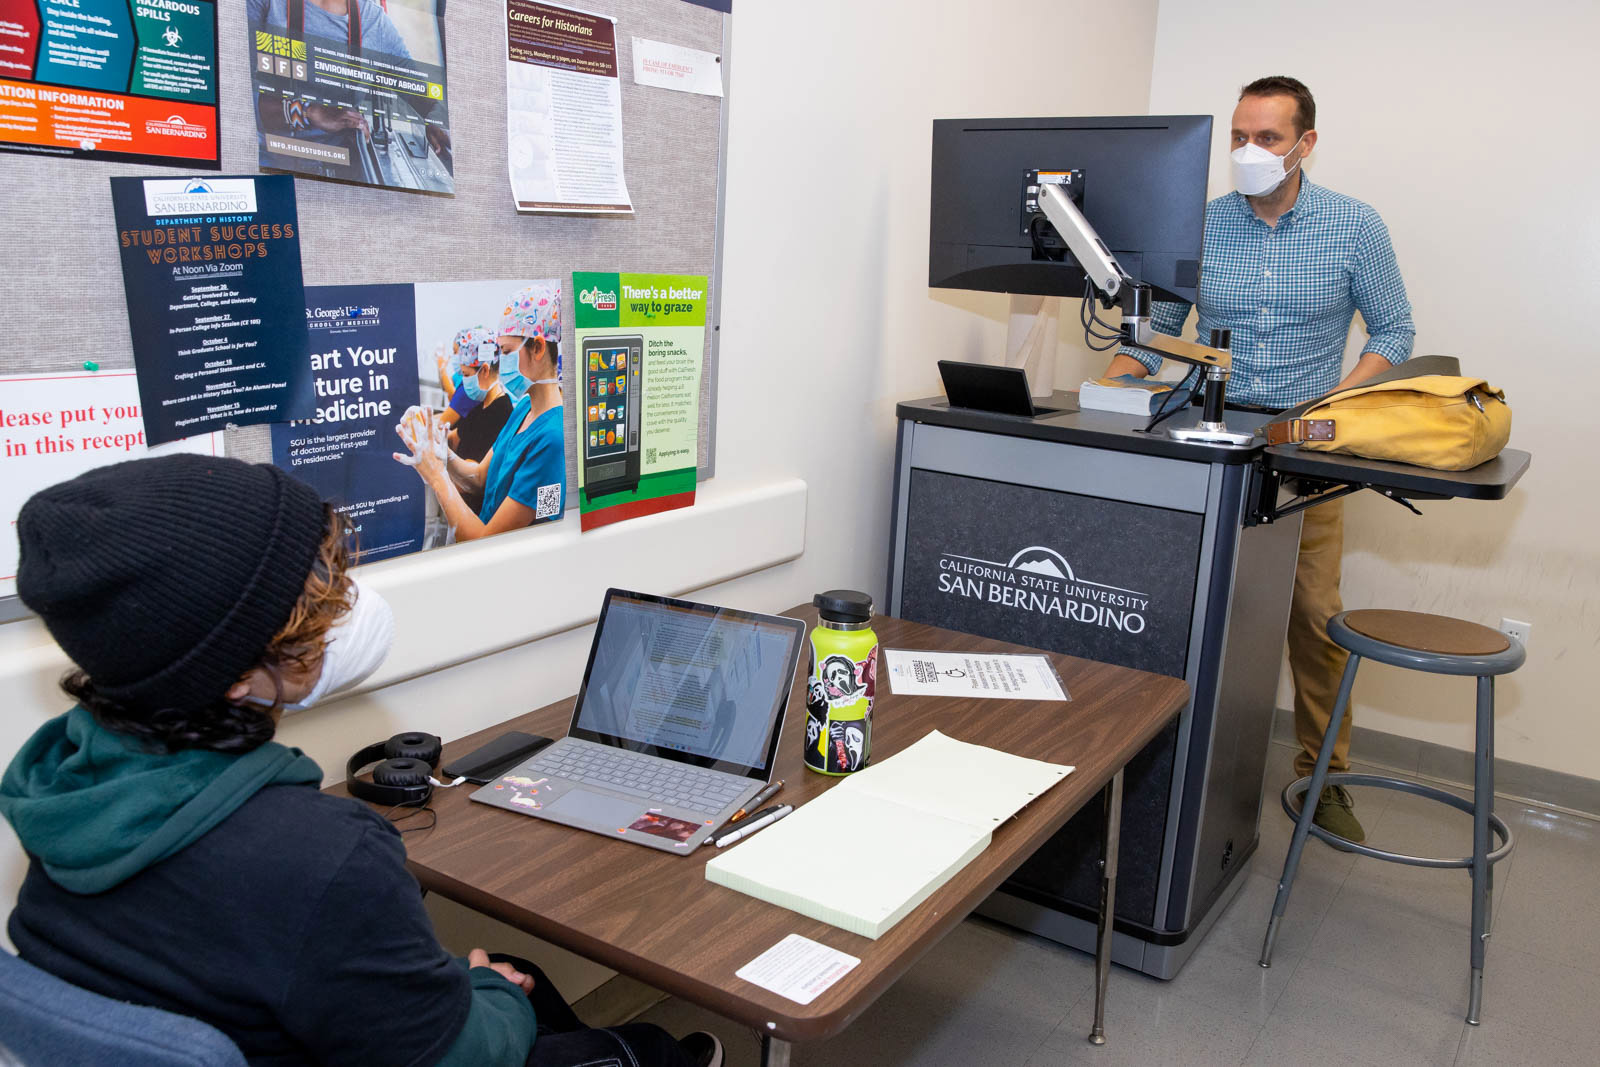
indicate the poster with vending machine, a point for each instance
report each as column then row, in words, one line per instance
column 610, row 445
column 641, row 342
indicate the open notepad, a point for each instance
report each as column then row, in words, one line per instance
column 876, row 845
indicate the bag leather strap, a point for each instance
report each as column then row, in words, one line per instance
column 1291, row 428
column 1293, row 431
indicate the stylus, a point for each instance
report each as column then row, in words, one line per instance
column 755, row 824
column 755, row 802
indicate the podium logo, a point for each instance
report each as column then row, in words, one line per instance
column 598, row 299
column 1039, row 580
column 200, row 196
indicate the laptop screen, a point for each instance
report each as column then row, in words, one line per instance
column 693, row 682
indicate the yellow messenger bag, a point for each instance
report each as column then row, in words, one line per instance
column 1422, row 411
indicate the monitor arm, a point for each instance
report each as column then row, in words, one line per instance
column 1118, row 288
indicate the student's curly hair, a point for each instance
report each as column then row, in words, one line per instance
column 239, row 728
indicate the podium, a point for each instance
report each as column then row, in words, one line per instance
column 1077, row 532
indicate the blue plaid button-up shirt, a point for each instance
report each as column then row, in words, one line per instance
column 1289, row 292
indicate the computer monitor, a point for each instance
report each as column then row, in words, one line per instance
column 1140, row 181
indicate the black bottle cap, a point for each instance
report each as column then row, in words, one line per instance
column 843, row 605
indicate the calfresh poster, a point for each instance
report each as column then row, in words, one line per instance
column 133, row 81
column 359, row 96
column 362, row 361
column 56, row 426
column 216, row 304
column 639, row 343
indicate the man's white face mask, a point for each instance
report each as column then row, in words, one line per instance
column 356, row 646
column 1257, row 172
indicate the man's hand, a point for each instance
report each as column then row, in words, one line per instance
column 1370, row 365
column 479, row 958
column 1125, row 364
column 439, row 138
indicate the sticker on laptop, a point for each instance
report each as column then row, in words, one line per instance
column 658, row 825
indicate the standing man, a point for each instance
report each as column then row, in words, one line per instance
column 1287, row 265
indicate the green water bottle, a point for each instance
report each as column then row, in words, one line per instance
column 843, row 679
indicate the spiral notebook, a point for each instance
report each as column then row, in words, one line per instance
column 865, row 853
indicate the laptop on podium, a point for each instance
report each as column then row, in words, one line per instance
column 675, row 727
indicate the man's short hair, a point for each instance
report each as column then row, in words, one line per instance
column 1305, row 108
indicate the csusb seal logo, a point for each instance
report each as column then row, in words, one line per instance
column 1040, row 580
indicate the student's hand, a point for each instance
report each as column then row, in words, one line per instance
column 424, row 435
column 479, row 958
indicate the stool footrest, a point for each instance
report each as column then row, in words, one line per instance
column 1296, row 790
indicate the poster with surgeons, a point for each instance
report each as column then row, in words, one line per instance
column 640, row 341
column 487, row 438
column 129, row 81
column 216, row 304
column 362, row 351
column 353, row 90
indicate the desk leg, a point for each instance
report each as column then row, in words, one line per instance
column 774, row 1051
column 1108, row 901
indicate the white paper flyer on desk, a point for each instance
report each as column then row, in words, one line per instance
column 966, row 674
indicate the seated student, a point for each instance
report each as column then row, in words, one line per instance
column 178, row 856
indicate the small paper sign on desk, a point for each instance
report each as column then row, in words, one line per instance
column 798, row 968
column 963, row 674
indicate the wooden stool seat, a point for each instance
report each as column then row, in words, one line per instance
column 1427, row 633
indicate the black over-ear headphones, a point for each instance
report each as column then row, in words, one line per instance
column 401, row 777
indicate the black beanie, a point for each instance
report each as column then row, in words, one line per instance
column 165, row 578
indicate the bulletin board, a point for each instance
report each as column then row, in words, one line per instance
column 64, row 301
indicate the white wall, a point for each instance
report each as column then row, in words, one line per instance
column 1468, row 124
column 827, row 322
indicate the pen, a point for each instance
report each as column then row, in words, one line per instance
column 757, row 822
column 756, row 801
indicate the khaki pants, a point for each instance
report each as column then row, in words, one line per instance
column 1315, row 661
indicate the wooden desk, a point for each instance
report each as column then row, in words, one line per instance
column 653, row 915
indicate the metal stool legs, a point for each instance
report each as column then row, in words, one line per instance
column 1484, row 823
column 1308, row 807
column 1482, row 870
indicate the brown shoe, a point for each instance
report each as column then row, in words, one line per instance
column 1336, row 814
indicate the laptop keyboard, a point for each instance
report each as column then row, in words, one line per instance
column 638, row 775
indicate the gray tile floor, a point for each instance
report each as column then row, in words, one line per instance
column 1370, row 967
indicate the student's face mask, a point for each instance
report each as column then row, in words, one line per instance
column 511, row 373
column 474, row 391
column 356, row 645
column 513, row 361
column 1257, row 172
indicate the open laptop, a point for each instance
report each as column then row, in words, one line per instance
column 675, row 727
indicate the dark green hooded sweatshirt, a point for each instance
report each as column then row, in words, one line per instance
column 230, row 888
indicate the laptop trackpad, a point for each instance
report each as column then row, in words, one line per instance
column 609, row 812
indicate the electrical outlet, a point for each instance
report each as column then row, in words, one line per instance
column 1517, row 628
